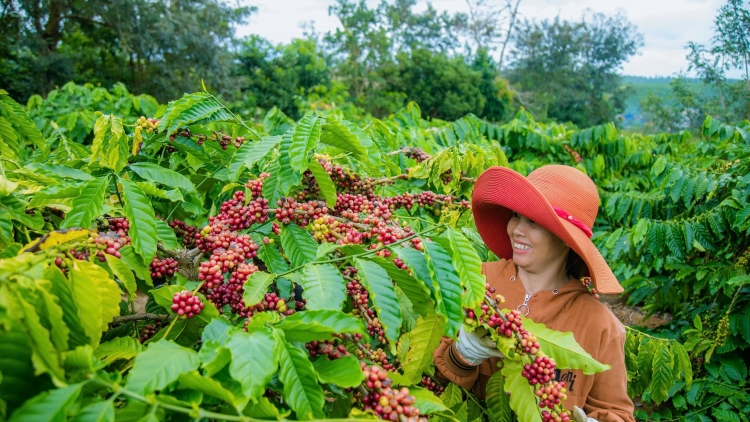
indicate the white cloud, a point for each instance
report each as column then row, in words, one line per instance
column 667, row 25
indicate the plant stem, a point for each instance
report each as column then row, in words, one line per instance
column 370, row 252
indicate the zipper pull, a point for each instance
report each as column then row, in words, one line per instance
column 524, row 305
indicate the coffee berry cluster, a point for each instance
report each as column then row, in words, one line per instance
column 388, row 403
column 186, row 305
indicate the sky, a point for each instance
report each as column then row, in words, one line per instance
column 666, row 25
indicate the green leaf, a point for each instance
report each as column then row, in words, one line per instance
column 344, row 372
column 423, row 341
column 110, row 147
column 119, row 348
column 337, row 134
column 45, row 357
column 249, row 154
column 256, row 286
column 217, row 330
column 304, row 138
column 452, row 395
column 270, row 256
column 61, row 288
column 427, row 402
column 87, row 205
column 103, row 411
column 140, row 213
column 682, row 361
column 469, row 267
column 563, row 348
column 255, row 358
column 135, row 262
column 661, row 374
column 213, row 357
column 160, row 365
column 327, row 188
column 417, row 263
column 17, row 211
column 162, row 175
column 523, row 401
column 415, row 290
column 324, row 287
column 309, row 325
column 301, row 389
column 50, row 406
column 96, row 296
column 167, row 236
column 447, row 286
column 498, row 402
column 298, row 245
column 207, row 386
column 197, row 108
column 53, row 313
column 123, row 273
column 375, row 279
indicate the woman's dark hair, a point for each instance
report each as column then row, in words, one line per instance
column 574, row 266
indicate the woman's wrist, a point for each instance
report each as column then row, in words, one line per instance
column 458, row 358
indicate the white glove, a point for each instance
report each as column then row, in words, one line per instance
column 475, row 349
column 580, row 416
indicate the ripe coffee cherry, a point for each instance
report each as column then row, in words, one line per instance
column 185, row 304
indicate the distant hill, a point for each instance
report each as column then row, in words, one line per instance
column 658, row 85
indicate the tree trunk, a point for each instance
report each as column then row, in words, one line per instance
column 513, row 14
column 53, row 29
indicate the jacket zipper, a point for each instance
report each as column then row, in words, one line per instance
column 525, row 304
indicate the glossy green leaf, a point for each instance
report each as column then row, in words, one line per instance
column 498, row 402
column 162, row 175
column 301, row 389
column 207, row 386
column 344, row 372
column 337, row 134
column 414, row 289
column 135, row 263
column 299, row 246
column 166, row 236
column 304, row 138
column 427, row 402
column 327, row 188
column 380, row 287
column 159, row 365
column 140, row 214
column 447, row 286
column 255, row 287
column 523, row 401
column 123, row 273
column 61, row 288
column 119, row 348
column 469, row 267
column 103, row 411
column 197, row 108
column 249, row 154
column 661, row 375
column 50, row 406
column 324, row 287
column 563, row 348
column 309, row 325
column 423, row 341
column 255, row 359
column 87, row 205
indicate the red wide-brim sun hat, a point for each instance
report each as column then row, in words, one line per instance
column 561, row 199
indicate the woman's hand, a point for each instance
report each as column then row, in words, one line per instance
column 475, row 348
column 580, row 416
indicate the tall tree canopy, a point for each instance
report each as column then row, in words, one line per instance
column 161, row 47
column 568, row 71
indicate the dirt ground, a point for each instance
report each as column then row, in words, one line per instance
column 633, row 315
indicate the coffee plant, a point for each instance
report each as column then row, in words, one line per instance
column 176, row 262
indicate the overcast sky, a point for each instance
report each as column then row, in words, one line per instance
column 666, row 25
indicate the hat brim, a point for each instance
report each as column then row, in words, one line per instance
column 499, row 191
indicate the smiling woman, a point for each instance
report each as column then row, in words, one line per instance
column 551, row 272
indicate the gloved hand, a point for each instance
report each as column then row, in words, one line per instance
column 475, row 348
column 580, row 416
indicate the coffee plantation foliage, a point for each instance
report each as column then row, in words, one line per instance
column 176, row 262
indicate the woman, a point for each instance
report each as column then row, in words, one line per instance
column 541, row 228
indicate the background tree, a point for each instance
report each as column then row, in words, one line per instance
column 163, row 48
column 568, row 71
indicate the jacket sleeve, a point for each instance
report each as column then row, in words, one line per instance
column 450, row 368
column 608, row 399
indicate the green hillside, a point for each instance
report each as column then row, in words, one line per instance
column 642, row 86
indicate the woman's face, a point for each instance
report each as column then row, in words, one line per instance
column 534, row 247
